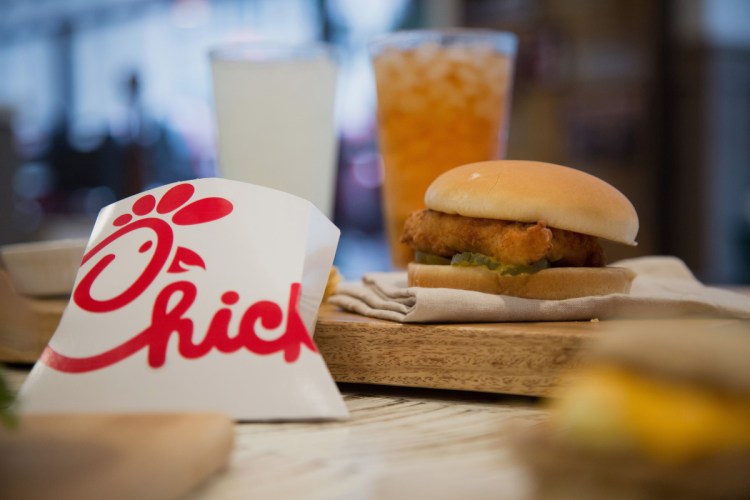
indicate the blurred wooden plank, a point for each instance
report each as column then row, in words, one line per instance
column 112, row 456
column 26, row 324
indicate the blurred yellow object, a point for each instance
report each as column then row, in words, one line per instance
column 610, row 407
column 334, row 278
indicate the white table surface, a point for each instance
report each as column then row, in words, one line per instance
column 398, row 443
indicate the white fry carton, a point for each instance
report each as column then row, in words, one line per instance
column 195, row 296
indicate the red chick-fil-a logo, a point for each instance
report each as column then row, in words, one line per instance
column 173, row 302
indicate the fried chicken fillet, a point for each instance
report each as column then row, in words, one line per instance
column 510, row 242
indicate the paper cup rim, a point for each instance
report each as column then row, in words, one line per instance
column 270, row 51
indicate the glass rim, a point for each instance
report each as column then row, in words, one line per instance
column 502, row 41
column 265, row 50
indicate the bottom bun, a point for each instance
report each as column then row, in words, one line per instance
column 562, row 470
column 549, row 284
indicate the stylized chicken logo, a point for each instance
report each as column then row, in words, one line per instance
column 172, row 304
column 174, row 202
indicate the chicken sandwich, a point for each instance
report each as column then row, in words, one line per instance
column 520, row 228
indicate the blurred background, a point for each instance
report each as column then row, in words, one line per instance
column 100, row 99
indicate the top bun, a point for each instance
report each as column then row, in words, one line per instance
column 530, row 191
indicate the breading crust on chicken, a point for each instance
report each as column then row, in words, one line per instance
column 510, row 242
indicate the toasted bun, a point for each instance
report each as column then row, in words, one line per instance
column 549, row 284
column 529, row 191
column 713, row 356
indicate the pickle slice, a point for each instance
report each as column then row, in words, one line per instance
column 478, row 259
column 430, row 259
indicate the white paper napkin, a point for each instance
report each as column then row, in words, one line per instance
column 663, row 287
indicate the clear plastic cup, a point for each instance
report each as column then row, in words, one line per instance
column 443, row 101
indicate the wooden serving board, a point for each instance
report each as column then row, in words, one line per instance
column 511, row 358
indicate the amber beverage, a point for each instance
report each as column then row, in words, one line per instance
column 443, row 101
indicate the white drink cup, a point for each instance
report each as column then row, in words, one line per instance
column 275, row 117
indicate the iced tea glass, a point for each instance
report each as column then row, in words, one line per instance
column 443, row 101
